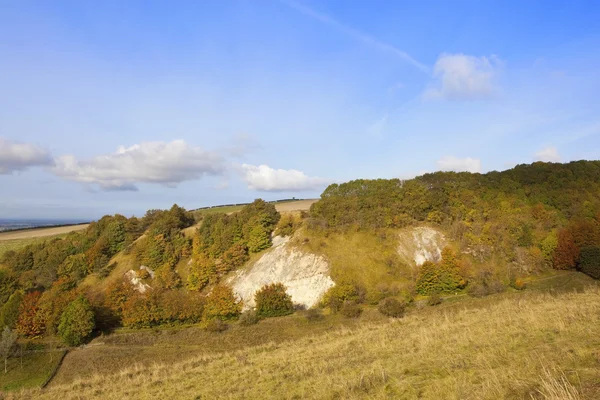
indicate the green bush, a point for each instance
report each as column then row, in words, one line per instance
column 342, row 292
column 351, row 309
column 392, row 307
column 76, row 322
column 273, row 301
column 589, row 261
column 440, row 277
column 249, row 318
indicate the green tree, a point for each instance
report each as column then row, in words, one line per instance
column 77, row 322
column 10, row 311
column 273, row 301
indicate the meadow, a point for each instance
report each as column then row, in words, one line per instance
column 540, row 344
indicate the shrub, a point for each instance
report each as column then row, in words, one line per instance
column 351, row 309
column 249, row 317
column 313, row 315
column 518, row 284
column 273, row 301
column 440, row 277
column 216, row 325
column 142, row 311
column 434, row 299
column 589, row 262
column 337, row 295
column 76, row 322
column 392, row 307
column 221, row 304
column 485, row 284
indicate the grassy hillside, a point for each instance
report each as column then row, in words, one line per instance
column 532, row 345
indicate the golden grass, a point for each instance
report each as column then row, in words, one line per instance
column 41, row 232
column 531, row 345
column 359, row 257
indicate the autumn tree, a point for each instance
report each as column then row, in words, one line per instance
column 221, row 304
column 566, row 254
column 272, row 300
column 29, row 323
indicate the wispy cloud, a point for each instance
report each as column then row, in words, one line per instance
column 355, row 34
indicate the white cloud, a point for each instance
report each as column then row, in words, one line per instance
column 548, row 154
column 149, row 162
column 20, row 156
column 463, row 77
column 450, row 163
column 265, row 178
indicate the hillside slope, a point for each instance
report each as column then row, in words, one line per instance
column 528, row 346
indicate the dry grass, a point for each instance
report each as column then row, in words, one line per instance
column 359, row 257
column 40, row 232
column 534, row 345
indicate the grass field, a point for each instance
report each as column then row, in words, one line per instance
column 531, row 344
column 40, row 232
column 285, row 206
column 30, row 372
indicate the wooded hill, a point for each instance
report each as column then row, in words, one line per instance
column 501, row 226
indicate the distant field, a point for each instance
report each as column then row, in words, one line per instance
column 39, row 232
column 15, row 244
column 286, row 206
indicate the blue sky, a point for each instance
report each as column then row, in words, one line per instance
column 118, row 106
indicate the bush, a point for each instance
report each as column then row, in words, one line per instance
column 518, row 284
column 351, row 309
column 485, row 284
column 392, row 307
column 221, row 304
column 441, row 277
column 249, row 318
column 434, row 299
column 313, row 315
column 216, row 325
column 589, row 262
column 340, row 293
column 76, row 322
column 273, row 301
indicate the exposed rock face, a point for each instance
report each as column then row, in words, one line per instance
column 137, row 282
column 305, row 275
column 421, row 244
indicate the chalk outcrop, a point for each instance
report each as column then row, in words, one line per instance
column 420, row 244
column 305, row 275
